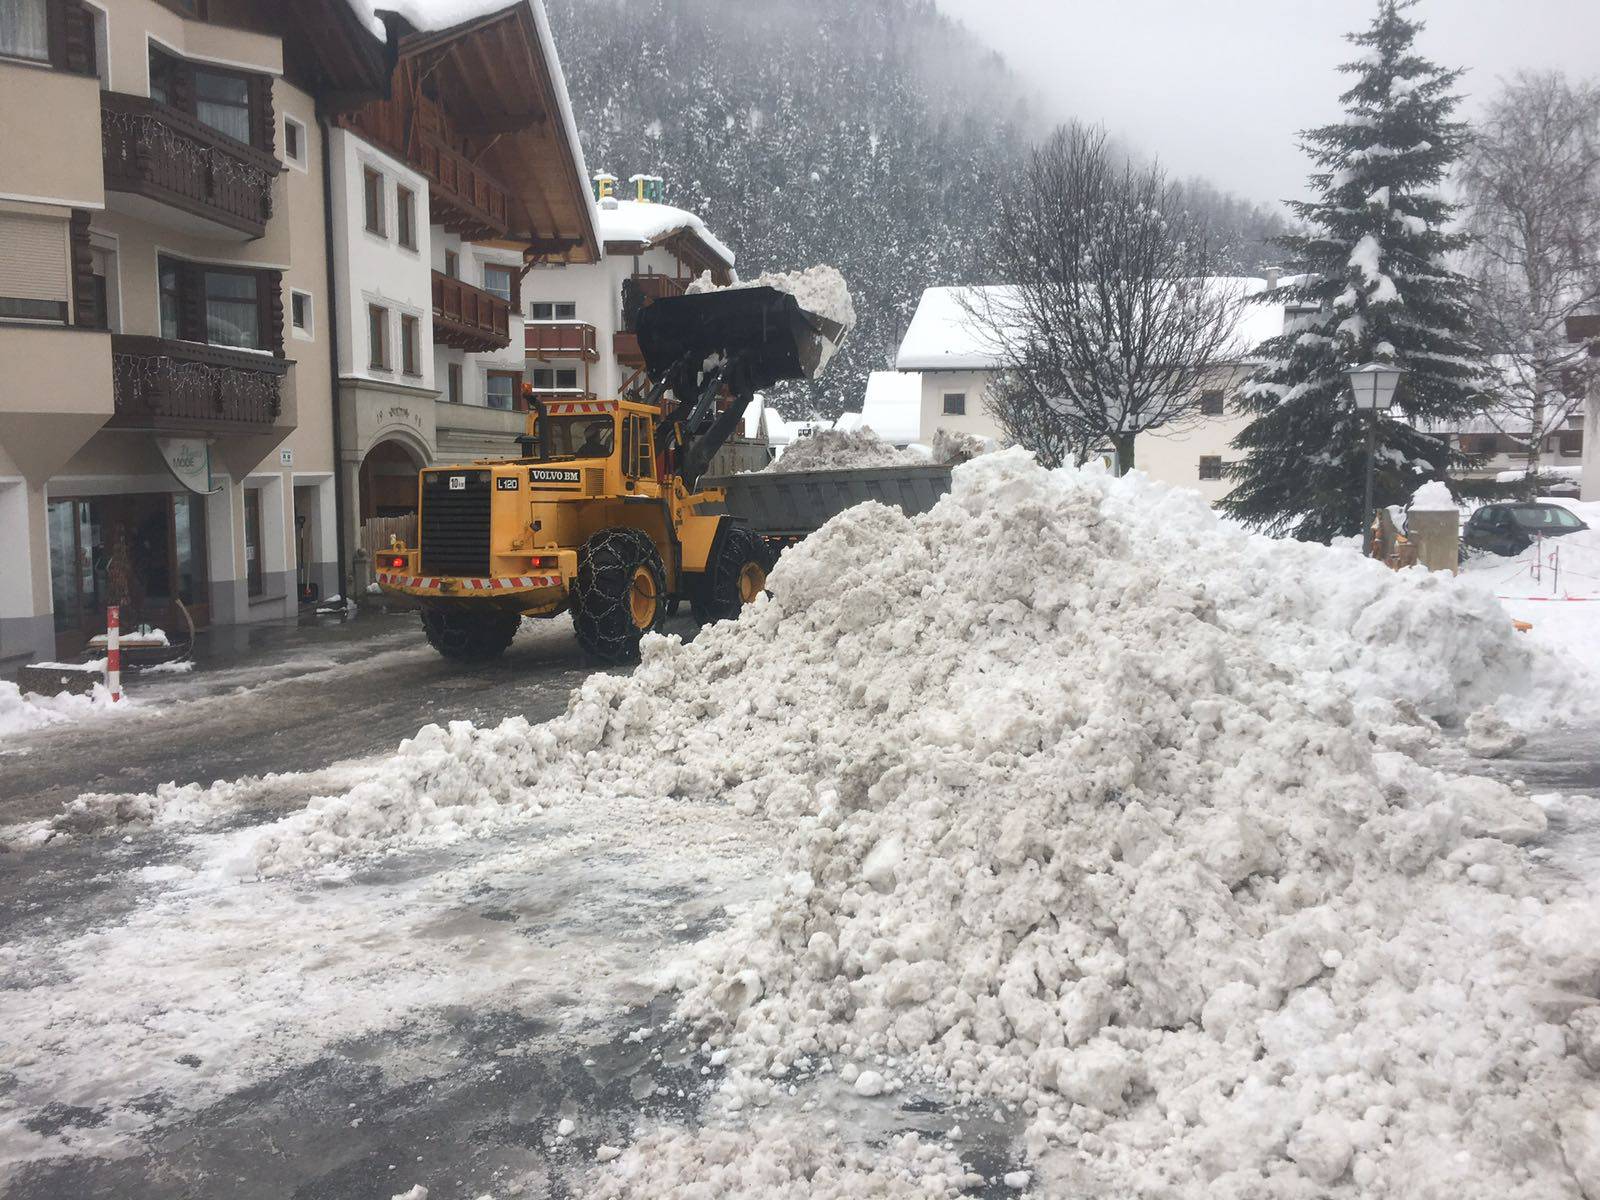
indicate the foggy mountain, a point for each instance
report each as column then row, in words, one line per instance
column 875, row 135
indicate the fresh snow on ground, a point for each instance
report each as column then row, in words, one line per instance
column 842, row 450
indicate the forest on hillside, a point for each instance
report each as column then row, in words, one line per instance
column 875, row 135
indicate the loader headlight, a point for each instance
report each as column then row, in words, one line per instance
column 392, row 562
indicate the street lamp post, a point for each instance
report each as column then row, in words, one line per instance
column 1372, row 388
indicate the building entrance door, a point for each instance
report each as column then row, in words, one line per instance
column 141, row 551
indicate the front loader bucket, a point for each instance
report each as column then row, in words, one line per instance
column 764, row 329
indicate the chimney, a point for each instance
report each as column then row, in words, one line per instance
column 605, row 185
column 1272, row 279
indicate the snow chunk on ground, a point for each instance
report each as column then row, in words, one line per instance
column 779, row 1159
column 835, row 450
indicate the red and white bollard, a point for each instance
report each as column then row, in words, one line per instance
column 114, row 652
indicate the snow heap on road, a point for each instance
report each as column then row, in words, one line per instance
column 1092, row 810
column 821, row 290
column 23, row 712
column 842, row 450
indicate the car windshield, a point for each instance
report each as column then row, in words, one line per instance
column 582, row 436
column 1545, row 517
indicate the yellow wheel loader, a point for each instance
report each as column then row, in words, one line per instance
column 598, row 514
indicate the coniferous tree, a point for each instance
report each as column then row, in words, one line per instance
column 1376, row 288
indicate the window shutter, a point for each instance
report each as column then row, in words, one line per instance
column 263, row 121
column 85, row 303
column 269, row 297
column 33, row 258
column 191, row 302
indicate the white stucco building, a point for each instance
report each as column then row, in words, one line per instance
column 953, row 354
column 578, row 330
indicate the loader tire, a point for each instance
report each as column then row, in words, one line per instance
column 736, row 575
column 466, row 636
column 620, row 594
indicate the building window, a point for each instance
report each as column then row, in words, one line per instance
column 1478, row 443
column 553, row 310
column 497, row 279
column 378, row 337
column 955, row 404
column 227, row 101
column 452, row 264
column 1570, row 442
column 233, row 309
column 372, row 182
column 300, row 313
column 500, row 389
column 408, row 345
column 222, row 306
column 1210, row 466
column 294, row 141
column 25, row 29
column 35, row 268
column 255, row 575
column 405, row 217
column 452, row 377
column 1211, row 404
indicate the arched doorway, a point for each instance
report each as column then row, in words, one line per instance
column 388, row 486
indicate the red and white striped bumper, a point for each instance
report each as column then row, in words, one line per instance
column 439, row 585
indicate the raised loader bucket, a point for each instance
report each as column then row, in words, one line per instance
column 763, row 329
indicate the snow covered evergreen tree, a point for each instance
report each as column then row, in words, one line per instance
column 1376, row 287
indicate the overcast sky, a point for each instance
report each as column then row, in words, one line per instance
column 1220, row 87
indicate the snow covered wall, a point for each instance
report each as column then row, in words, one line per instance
column 1101, row 808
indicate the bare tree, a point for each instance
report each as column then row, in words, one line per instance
column 1532, row 183
column 1110, row 324
column 1029, row 418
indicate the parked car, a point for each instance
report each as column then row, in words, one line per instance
column 1509, row 529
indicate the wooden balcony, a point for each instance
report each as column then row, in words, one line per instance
column 211, row 183
column 625, row 348
column 462, row 197
column 189, row 386
column 469, row 318
column 546, row 340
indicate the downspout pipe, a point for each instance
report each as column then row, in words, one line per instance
column 331, row 321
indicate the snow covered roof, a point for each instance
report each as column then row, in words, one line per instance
column 944, row 335
column 780, row 432
column 641, row 222
column 891, row 408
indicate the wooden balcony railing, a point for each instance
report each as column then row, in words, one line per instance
column 163, row 384
column 469, row 318
column 462, row 197
column 625, row 348
column 164, row 155
column 560, row 339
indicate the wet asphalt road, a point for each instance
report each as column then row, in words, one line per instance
column 287, row 697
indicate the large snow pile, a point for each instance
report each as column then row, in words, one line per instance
column 821, row 290
column 843, row 450
column 1092, row 810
